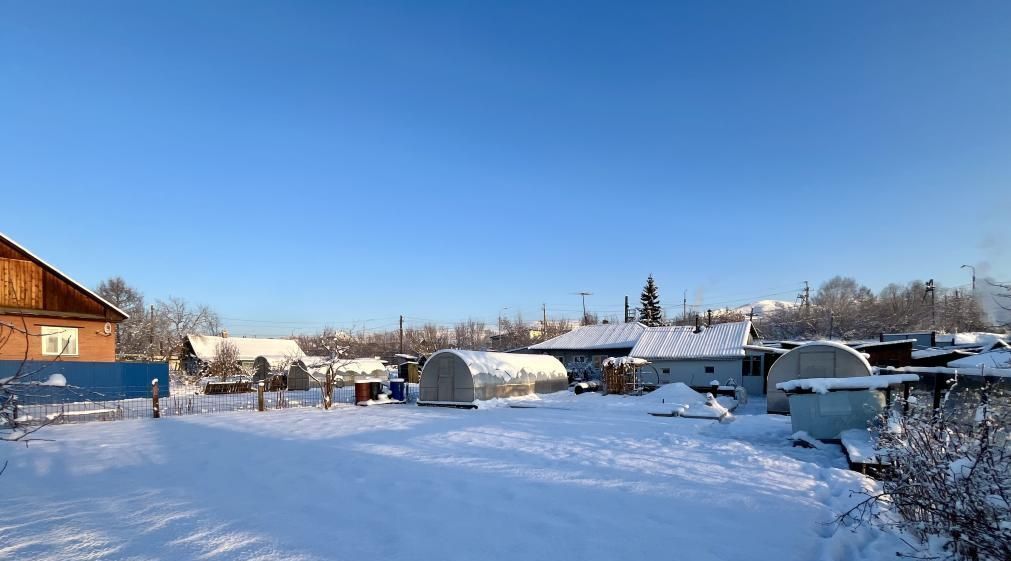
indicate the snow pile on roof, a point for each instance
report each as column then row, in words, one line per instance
column 610, row 336
column 249, row 348
column 977, row 338
column 723, row 340
column 933, row 351
column 625, row 361
column 508, row 367
column 825, row 385
column 881, row 343
column 356, row 366
column 992, row 359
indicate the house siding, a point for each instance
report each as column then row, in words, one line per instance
column 93, row 344
column 693, row 372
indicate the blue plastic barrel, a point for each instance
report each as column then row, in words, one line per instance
column 397, row 387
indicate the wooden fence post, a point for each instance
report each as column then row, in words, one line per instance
column 259, row 397
column 155, row 409
column 328, row 390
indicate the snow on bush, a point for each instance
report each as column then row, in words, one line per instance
column 949, row 483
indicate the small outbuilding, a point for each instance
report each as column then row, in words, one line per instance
column 459, row 378
column 817, row 359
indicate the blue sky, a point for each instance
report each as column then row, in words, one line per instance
column 300, row 163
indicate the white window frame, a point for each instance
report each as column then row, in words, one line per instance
column 67, row 340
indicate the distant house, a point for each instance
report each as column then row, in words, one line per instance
column 254, row 354
column 587, row 347
column 66, row 320
column 694, row 356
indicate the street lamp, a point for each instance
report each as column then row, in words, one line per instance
column 973, row 276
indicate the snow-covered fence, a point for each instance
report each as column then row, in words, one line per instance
column 108, row 404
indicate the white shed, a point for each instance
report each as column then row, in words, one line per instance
column 817, row 359
column 458, row 378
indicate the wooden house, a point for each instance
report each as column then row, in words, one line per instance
column 64, row 319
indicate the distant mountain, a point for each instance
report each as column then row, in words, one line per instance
column 764, row 307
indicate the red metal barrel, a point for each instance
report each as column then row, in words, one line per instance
column 363, row 391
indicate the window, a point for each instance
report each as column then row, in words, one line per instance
column 752, row 366
column 580, row 359
column 665, row 370
column 598, row 360
column 710, row 370
column 59, row 340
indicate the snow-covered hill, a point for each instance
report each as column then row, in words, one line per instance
column 764, row 307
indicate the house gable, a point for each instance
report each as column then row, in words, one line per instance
column 30, row 285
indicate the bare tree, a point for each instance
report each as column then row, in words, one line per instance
column 175, row 319
column 225, row 362
column 134, row 335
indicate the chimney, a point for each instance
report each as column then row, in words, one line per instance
column 697, row 328
column 224, row 334
column 709, row 318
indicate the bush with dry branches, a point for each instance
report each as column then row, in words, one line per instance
column 949, row 483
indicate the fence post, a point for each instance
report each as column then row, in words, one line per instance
column 155, row 409
column 328, row 390
column 259, row 397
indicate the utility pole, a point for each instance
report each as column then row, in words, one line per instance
column 751, row 315
column 684, row 306
column 544, row 320
column 584, row 294
column 626, row 308
column 930, row 290
column 973, row 276
column 401, row 334
column 805, row 296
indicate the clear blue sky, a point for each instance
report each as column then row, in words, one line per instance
column 301, row 163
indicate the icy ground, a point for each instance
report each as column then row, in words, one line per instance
column 573, row 478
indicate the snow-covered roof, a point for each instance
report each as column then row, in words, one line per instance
column 364, row 366
column 976, row 338
column 249, row 348
column 825, row 385
column 882, row 343
column 609, row 336
column 992, row 359
column 505, row 367
column 723, row 340
column 766, row 349
column 62, row 275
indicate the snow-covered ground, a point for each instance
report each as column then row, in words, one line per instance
column 565, row 478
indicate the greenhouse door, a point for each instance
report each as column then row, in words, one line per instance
column 447, row 372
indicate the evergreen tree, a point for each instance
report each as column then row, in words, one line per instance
column 651, row 313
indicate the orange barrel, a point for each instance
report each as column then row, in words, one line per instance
column 363, row 391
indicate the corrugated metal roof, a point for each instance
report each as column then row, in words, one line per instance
column 723, row 340
column 611, row 336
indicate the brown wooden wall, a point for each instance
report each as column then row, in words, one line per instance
column 25, row 284
column 21, row 283
column 93, row 345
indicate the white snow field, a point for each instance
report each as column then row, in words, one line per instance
column 566, row 478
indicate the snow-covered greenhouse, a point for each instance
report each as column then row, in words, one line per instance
column 458, row 378
column 817, row 359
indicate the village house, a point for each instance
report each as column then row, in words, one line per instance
column 693, row 355
column 64, row 319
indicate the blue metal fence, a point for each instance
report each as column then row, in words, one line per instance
column 88, row 380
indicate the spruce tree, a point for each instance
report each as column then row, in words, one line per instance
column 651, row 313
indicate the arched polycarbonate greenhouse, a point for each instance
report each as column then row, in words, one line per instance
column 459, row 378
column 817, row 359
